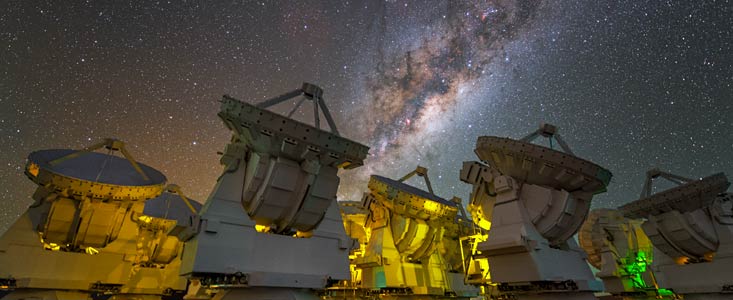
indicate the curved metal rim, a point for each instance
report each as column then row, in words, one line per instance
column 718, row 181
column 406, row 188
column 353, row 149
column 555, row 157
column 174, row 206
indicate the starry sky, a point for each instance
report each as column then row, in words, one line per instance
column 631, row 84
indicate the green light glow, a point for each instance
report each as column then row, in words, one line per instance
column 665, row 292
column 635, row 266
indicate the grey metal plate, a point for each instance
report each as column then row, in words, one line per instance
column 170, row 206
column 540, row 165
column 687, row 197
column 244, row 116
column 96, row 167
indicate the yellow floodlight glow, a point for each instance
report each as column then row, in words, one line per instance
column 431, row 206
column 682, row 260
column 52, row 246
column 48, row 246
column 145, row 219
column 33, row 169
column 262, row 228
column 344, row 164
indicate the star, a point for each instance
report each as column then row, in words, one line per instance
column 631, row 85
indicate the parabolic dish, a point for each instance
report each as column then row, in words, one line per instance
column 684, row 198
column 94, row 174
column 251, row 122
column 540, row 165
column 170, row 206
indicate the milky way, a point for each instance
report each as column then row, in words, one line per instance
column 632, row 84
column 410, row 93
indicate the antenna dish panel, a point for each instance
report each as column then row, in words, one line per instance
column 288, row 137
column 170, row 206
column 93, row 174
column 684, row 198
column 540, row 165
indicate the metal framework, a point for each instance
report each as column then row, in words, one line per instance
column 655, row 173
column 174, row 188
column 550, row 132
column 422, row 172
column 308, row 92
column 112, row 145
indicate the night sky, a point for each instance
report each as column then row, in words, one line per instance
column 631, row 84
